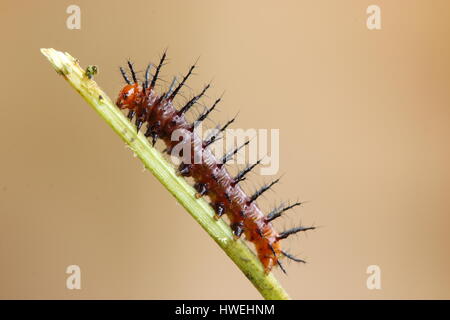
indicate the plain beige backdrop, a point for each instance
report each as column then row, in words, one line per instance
column 364, row 125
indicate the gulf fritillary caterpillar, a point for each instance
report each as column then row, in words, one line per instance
column 212, row 179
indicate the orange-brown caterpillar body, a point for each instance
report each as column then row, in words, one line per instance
column 212, row 179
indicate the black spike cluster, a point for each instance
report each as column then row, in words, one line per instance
column 275, row 213
column 170, row 90
column 184, row 169
column 287, row 233
column 158, row 69
column 289, row 256
column 147, row 76
column 241, row 175
column 263, row 189
column 180, row 85
column 133, row 74
column 215, row 136
column 205, row 114
column 193, row 100
column 124, row 75
column 227, row 157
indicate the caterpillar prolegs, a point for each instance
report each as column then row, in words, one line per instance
column 157, row 114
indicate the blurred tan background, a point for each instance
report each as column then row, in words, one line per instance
column 364, row 125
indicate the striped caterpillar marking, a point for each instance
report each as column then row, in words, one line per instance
column 212, row 179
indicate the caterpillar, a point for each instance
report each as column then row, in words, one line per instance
column 212, row 179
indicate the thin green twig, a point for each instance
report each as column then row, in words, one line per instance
column 153, row 160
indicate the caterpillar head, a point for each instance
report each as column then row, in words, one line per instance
column 129, row 96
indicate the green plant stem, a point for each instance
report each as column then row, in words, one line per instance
column 153, row 160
